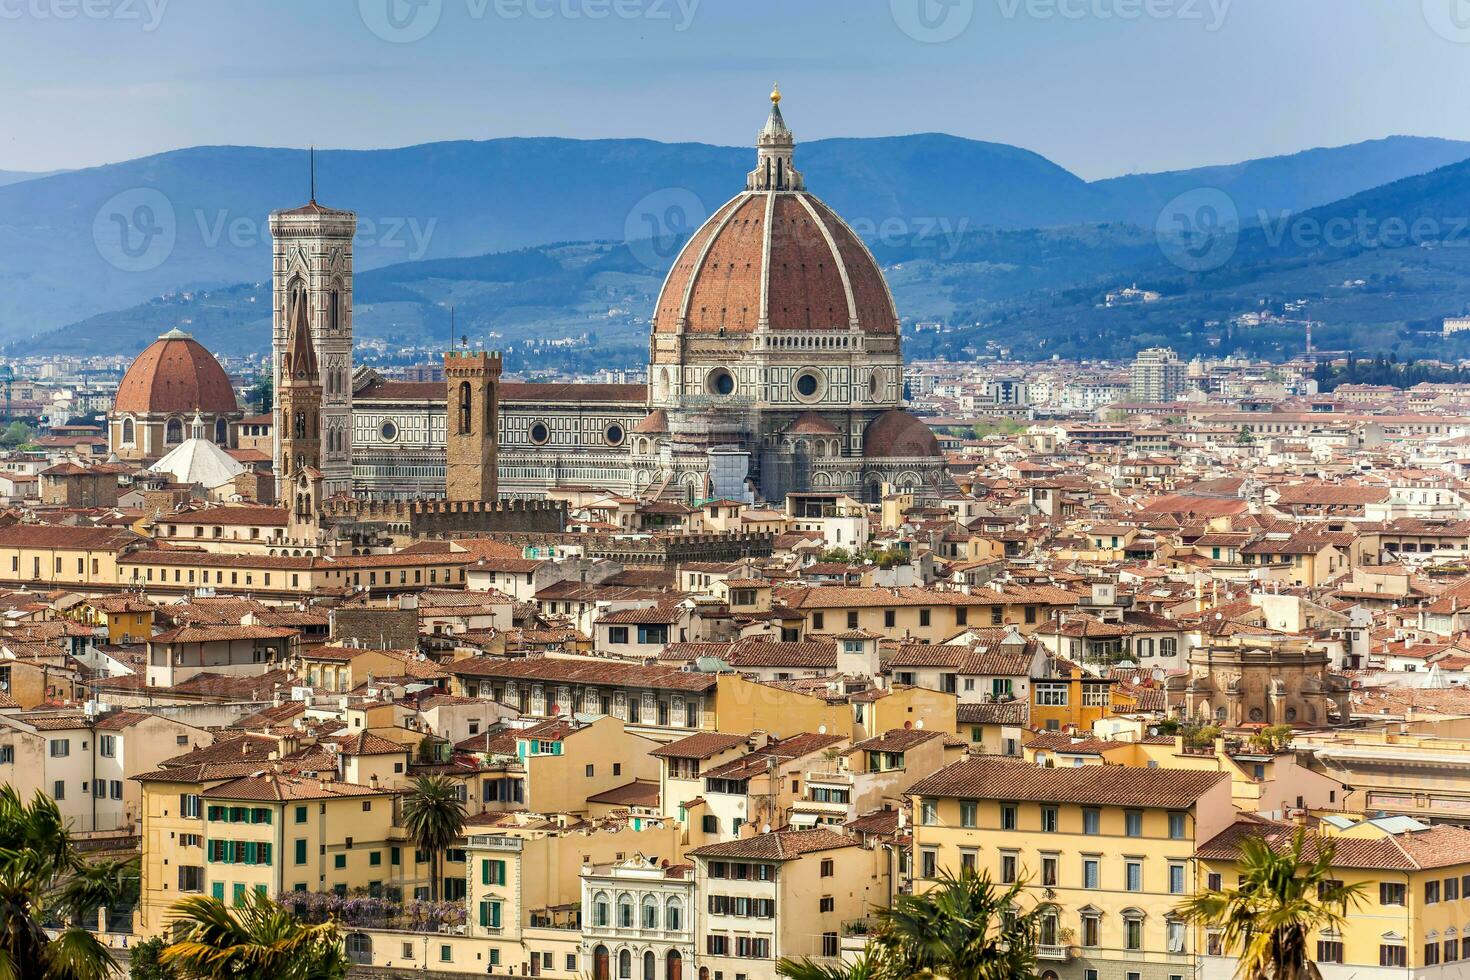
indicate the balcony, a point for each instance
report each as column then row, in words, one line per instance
column 1058, row 954
column 836, row 777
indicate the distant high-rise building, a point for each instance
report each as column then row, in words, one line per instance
column 1158, row 375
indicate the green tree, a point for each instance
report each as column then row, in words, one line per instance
column 43, row 878
column 434, row 818
column 257, row 940
column 1282, row 897
column 965, row 928
column 144, row 961
column 15, row 434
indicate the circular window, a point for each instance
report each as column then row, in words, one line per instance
column 874, row 384
column 389, row 430
column 613, row 434
column 808, row 385
column 540, row 434
column 721, row 382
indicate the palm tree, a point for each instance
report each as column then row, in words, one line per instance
column 257, row 940
column 1283, row 896
column 435, row 817
column 43, row 877
column 963, row 929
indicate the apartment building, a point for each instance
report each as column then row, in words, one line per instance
column 639, row 919
column 223, row 829
column 1111, row 848
column 86, row 764
column 1411, row 918
column 779, row 894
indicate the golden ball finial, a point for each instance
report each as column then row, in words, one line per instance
column 775, row 94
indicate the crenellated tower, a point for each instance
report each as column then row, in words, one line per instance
column 472, row 429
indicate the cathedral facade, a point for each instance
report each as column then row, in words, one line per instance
column 774, row 366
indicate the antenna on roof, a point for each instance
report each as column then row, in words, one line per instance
column 311, row 156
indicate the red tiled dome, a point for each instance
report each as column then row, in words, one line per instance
column 175, row 375
column 898, row 435
column 819, row 274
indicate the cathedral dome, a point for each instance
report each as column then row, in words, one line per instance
column 774, row 256
column 175, row 375
column 898, row 435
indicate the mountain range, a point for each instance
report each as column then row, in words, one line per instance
column 81, row 243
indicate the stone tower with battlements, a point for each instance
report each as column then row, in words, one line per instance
column 473, row 425
column 311, row 276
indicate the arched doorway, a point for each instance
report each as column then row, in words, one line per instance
column 600, row 965
column 675, row 965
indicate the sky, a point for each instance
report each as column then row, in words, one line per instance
column 1101, row 87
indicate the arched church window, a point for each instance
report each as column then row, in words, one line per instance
column 298, row 427
column 466, row 413
column 173, row 431
column 334, row 308
column 127, row 431
column 221, row 432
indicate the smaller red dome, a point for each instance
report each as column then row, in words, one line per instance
column 175, row 375
column 898, row 435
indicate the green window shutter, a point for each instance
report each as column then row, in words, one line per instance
column 262, row 891
column 375, row 858
column 494, row 915
column 339, row 861
column 217, row 891
column 301, row 814
column 250, row 849
column 497, row 872
column 395, row 856
column 485, row 871
column 264, row 852
column 484, row 914
column 301, row 850
column 239, row 895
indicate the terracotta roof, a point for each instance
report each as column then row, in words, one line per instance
column 895, row 740
column 274, row 785
column 640, row 792
column 1439, row 846
column 175, row 375
column 701, row 745
column 779, row 845
column 785, row 258
column 1016, row 712
column 1005, row 779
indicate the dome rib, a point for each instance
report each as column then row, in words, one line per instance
column 852, row 315
column 709, row 244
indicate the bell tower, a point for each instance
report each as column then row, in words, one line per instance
column 472, row 425
column 298, row 403
column 311, row 273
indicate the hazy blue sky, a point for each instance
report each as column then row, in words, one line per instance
column 1102, row 87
